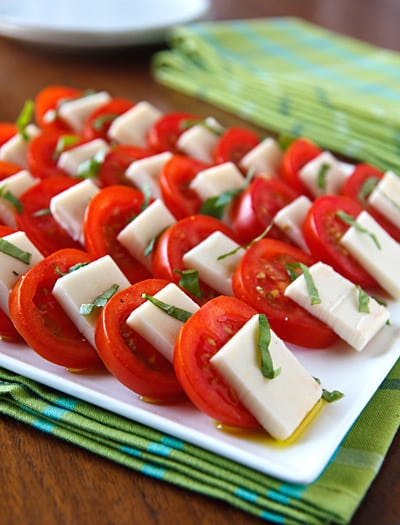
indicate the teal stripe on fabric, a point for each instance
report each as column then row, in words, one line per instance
column 173, row 442
column 67, row 403
column 155, row 472
column 54, row 412
column 391, row 384
column 292, row 490
column 277, row 496
column 131, row 451
column 159, row 449
column 246, row 494
column 43, row 425
column 358, row 458
column 272, row 517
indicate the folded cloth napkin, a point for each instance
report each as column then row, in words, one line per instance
column 333, row 498
column 293, row 77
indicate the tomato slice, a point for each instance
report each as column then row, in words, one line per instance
column 42, row 157
column 99, row 122
column 8, row 168
column 7, row 328
column 174, row 181
column 129, row 357
column 7, row 131
column 116, row 162
column 201, row 336
column 165, row 132
column 47, row 100
column 178, row 239
column 260, row 280
column 107, row 213
column 36, row 220
column 323, row 229
column 299, row 153
column 234, row 144
column 40, row 319
column 257, row 205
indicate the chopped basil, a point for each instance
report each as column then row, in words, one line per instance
column 150, row 246
column 24, row 118
column 216, row 206
column 173, row 311
column 187, row 124
column 263, row 342
column 63, row 142
column 41, row 212
column 367, row 188
column 99, row 122
column 245, row 246
column 284, row 141
column 190, row 281
column 90, row 168
column 291, row 270
column 147, row 193
column 11, row 198
column 363, row 300
column 321, row 176
column 99, row 301
column 13, row 251
column 348, row 219
column 71, row 268
column 311, row 288
column 329, row 396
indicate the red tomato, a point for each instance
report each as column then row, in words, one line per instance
column 7, row 131
column 323, row 229
column 165, row 132
column 7, row 169
column 99, row 122
column 360, row 185
column 116, row 162
column 42, row 157
column 299, row 153
column 107, row 213
column 257, row 205
column 178, row 239
column 48, row 99
column 201, row 336
column 129, row 357
column 174, row 182
column 40, row 319
column 36, row 221
column 7, row 328
column 260, row 280
column 234, row 144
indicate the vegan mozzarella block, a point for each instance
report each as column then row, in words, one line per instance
column 339, row 306
column 200, row 140
column 155, row 325
column 217, row 273
column 381, row 262
column 83, row 286
column 77, row 110
column 72, row 159
column 15, row 150
column 144, row 229
column 15, row 185
column 11, row 268
column 145, row 172
column 217, row 179
column 385, row 197
column 68, row 207
column 132, row 126
column 263, row 158
column 290, row 220
column 279, row 404
column 323, row 174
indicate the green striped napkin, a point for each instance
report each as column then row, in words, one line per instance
column 333, row 498
column 293, row 77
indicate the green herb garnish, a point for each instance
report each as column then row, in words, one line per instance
column 99, row 122
column 90, row 168
column 71, row 269
column 63, row 142
column 187, row 124
column 216, row 206
column 367, row 188
column 348, row 219
column 311, row 288
column 321, row 176
column 24, row 118
column 363, row 300
column 13, row 251
column 173, row 311
column 190, row 281
column 99, row 301
column 329, row 396
column 245, row 246
column 263, row 342
column 147, row 194
column 11, row 198
column 41, row 212
column 284, row 141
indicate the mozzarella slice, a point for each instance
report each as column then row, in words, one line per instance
column 264, row 158
column 155, row 325
column 132, row 126
column 72, row 159
column 145, row 172
column 12, row 268
column 385, row 197
column 323, row 175
column 279, row 404
column 290, row 220
column 200, row 140
column 339, row 306
column 383, row 262
column 15, row 150
column 16, row 185
column 144, row 229
column 213, row 181
column 77, row 110
column 68, row 207
column 217, row 273
column 82, row 286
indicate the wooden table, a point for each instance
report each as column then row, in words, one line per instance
column 45, row 481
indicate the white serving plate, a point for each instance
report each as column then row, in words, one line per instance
column 356, row 374
column 95, row 23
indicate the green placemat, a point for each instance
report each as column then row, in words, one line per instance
column 333, row 498
column 293, row 77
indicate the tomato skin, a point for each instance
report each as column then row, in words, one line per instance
column 8, row 168
column 7, row 328
column 41, row 321
column 99, row 122
column 322, row 230
column 234, row 144
column 260, row 280
column 165, row 132
column 42, row 160
column 299, row 153
column 48, row 99
column 107, row 213
column 7, row 131
column 202, row 335
column 129, row 357
column 116, row 162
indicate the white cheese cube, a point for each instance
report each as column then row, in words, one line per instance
column 12, row 268
column 323, row 175
column 83, row 286
column 383, row 262
column 200, row 140
column 213, row 181
column 145, row 172
column 77, row 110
column 16, row 185
column 71, row 159
column 155, row 325
column 279, row 404
column 132, row 126
column 290, row 220
column 264, row 158
column 15, row 150
column 145, row 228
column 217, row 273
column 339, row 306
column 385, row 197
column 68, row 207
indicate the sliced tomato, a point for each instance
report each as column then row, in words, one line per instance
column 201, row 336
column 116, row 162
column 8, row 168
column 99, row 122
column 175, row 241
column 7, row 328
column 234, row 144
column 299, row 153
column 323, row 229
column 165, row 132
column 257, row 205
column 37, row 221
column 260, row 280
column 7, row 131
column 107, row 213
column 127, row 355
column 48, row 100
column 40, row 319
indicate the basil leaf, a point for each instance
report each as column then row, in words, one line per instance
column 90, row 168
column 311, row 288
column 11, row 198
column 63, row 142
column 173, row 311
column 367, row 188
column 190, row 281
column 13, row 251
column 284, row 141
column 99, row 301
column 187, row 124
column 24, row 118
column 321, row 176
column 348, row 219
column 216, row 206
column 263, row 342
column 245, row 246
column 99, row 122
column 363, row 300
column 41, row 212
column 331, row 396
